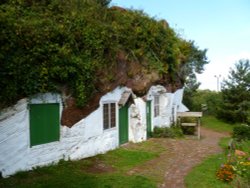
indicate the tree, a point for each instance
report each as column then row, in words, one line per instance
column 190, row 91
column 50, row 45
column 207, row 101
column 236, row 94
column 193, row 61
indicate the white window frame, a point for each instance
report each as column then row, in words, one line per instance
column 156, row 105
column 109, row 115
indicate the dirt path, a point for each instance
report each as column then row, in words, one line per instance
column 181, row 156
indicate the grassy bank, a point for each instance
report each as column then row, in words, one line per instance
column 107, row 170
column 217, row 125
column 204, row 174
column 206, row 171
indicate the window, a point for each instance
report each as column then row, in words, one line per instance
column 156, row 106
column 44, row 123
column 109, row 115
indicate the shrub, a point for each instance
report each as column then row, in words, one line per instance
column 237, row 166
column 167, row 132
column 188, row 119
column 225, row 173
column 241, row 132
column 49, row 44
column 188, row 130
column 243, row 145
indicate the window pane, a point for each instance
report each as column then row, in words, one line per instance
column 156, row 106
column 112, row 116
column 105, row 116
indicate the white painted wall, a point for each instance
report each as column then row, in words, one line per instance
column 86, row 138
column 170, row 104
column 137, row 121
column 16, row 153
column 163, row 120
column 178, row 106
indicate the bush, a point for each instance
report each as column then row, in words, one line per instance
column 49, row 44
column 188, row 130
column 241, row 132
column 225, row 173
column 237, row 166
column 167, row 132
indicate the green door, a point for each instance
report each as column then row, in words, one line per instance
column 123, row 124
column 148, row 113
column 44, row 123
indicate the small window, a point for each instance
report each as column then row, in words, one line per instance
column 156, row 106
column 109, row 115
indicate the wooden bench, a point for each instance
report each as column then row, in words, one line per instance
column 197, row 124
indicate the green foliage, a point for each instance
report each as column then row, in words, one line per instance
column 215, row 124
column 77, row 174
column 186, row 129
column 124, row 159
column 238, row 163
column 49, row 44
column 203, row 100
column 196, row 61
column 235, row 106
column 167, row 132
column 242, row 164
column 226, row 166
column 190, row 91
column 206, row 172
column 225, row 142
column 243, row 145
column 208, row 168
column 241, row 132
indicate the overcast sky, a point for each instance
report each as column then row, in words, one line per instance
column 221, row 26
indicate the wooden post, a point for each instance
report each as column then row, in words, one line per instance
column 199, row 127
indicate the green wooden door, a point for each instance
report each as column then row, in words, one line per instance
column 123, row 124
column 148, row 114
column 44, row 123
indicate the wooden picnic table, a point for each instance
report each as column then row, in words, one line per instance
column 197, row 124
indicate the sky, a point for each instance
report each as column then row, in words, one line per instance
column 220, row 26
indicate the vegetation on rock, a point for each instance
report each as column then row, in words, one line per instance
column 83, row 46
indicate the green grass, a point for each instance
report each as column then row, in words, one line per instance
column 75, row 180
column 244, row 146
column 76, row 174
column 206, row 171
column 124, row 159
column 204, row 175
column 224, row 142
column 216, row 125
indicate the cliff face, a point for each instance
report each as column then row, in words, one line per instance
column 131, row 74
column 90, row 49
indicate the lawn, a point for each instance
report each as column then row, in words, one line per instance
column 213, row 123
column 204, row 175
column 206, row 171
column 111, row 170
column 101, row 171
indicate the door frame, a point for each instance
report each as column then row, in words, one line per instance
column 149, row 118
column 124, row 124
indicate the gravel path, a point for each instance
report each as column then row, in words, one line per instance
column 181, row 156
